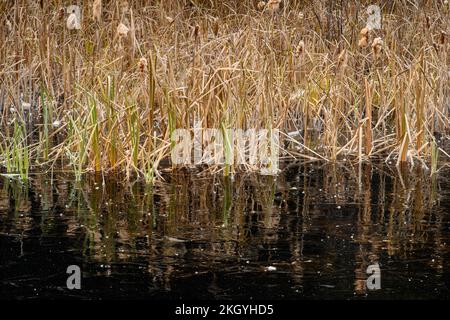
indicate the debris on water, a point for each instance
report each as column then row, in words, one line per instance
column 327, row 286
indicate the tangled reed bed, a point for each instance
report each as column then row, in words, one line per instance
column 102, row 85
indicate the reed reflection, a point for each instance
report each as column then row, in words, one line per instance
column 319, row 227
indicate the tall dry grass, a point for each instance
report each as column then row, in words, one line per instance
column 105, row 92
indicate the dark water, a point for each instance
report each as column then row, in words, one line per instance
column 317, row 228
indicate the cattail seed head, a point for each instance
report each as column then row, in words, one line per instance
column 196, row 32
column 261, row 5
column 342, row 61
column 427, row 22
column 142, row 64
column 374, row 17
column 442, row 38
column 377, row 46
column 97, row 10
column 362, row 43
column 300, row 49
column 216, row 27
column 273, row 6
column 73, row 23
column 364, row 32
column 8, row 25
column 124, row 7
column 74, row 19
column 61, row 13
column 169, row 19
column 122, row 30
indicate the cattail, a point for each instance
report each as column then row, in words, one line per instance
column 122, row 30
column 364, row 33
column 374, row 18
column 341, row 56
column 342, row 61
column 73, row 21
column 61, row 13
column 8, row 25
column 362, row 42
column 142, row 64
column 32, row 6
column 295, row 96
column 300, row 48
column 216, row 26
column 124, row 7
column 196, row 31
column 427, row 22
column 442, row 37
column 273, row 6
column 261, row 5
column 97, row 10
column 377, row 45
column 169, row 19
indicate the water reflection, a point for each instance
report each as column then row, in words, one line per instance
column 318, row 228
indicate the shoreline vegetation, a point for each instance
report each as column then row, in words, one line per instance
column 100, row 86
